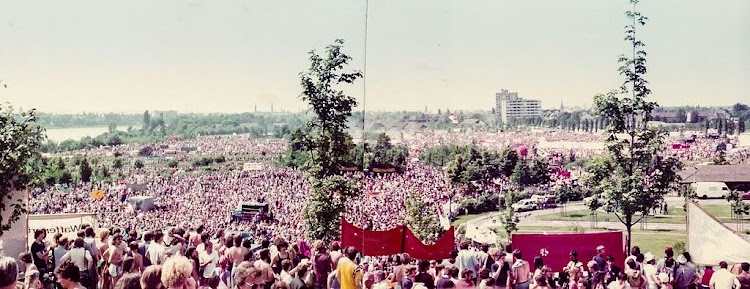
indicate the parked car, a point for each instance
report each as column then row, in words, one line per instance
column 745, row 195
column 525, row 205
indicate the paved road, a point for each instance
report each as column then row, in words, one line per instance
column 529, row 218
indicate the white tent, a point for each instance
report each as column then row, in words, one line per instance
column 710, row 241
column 143, row 203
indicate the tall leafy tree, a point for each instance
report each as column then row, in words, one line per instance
column 326, row 139
column 19, row 144
column 85, row 170
column 641, row 174
column 426, row 226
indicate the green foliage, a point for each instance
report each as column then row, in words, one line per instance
column 208, row 160
column 425, row 226
column 117, row 163
column 508, row 216
column 21, row 138
column 326, row 140
column 484, row 203
column 85, row 170
column 138, row 164
column 679, row 247
column 471, row 163
column 641, row 175
column 172, row 163
column 386, row 155
column 327, row 205
column 737, row 205
column 56, row 172
column 720, row 158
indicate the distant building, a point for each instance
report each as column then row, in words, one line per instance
column 509, row 106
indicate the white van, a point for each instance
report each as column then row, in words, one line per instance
column 705, row 190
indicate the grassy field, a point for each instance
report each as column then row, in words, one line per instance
column 648, row 240
column 676, row 215
column 460, row 220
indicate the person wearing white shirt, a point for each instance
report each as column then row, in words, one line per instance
column 208, row 259
column 649, row 271
column 156, row 250
column 723, row 279
column 79, row 256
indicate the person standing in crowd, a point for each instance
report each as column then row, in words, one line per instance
column 521, row 271
column 82, row 259
column 336, row 253
column 424, row 276
column 281, row 255
column 706, row 277
column 467, row 279
column 667, row 262
column 634, row 275
column 155, row 251
column 129, row 281
column 39, row 250
column 59, row 251
column 650, row 272
column 299, row 281
column 151, row 278
column 176, row 273
column 611, row 269
column 500, row 270
column 600, row 257
column 685, row 277
column 264, row 266
column 8, row 273
column 143, row 247
column 723, row 279
column 540, row 282
column 410, row 273
column 69, row 276
column 236, row 254
column 114, row 258
column 208, row 261
column 322, row 265
column 27, row 262
column 399, row 272
column 621, row 282
column 466, row 260
column 484, row 258
column 744, row 276
column 137, row 257
column 348, row 274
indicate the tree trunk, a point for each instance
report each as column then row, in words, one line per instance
column 629, row 237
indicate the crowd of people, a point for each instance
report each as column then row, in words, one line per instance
column 193, row 218
column 118, row 259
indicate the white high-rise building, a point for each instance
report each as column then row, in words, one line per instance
column 509, row 106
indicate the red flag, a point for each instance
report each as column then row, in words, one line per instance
column 372, row 243
column 440, row 250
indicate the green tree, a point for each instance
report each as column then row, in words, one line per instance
column 112, row 128
column 327, row 145
column 641, row 175
column 117, row 163
column 146, row 121
column 425, row 226
column 521, row 176
column 720, row 158
column 138, row 164
column 85, row 170
column 20, row 141
column 508, row 216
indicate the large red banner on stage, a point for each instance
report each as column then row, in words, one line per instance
column 383, row 243
column 559, row 245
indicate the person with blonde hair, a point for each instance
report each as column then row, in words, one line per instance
column 151, row 278
column 177, row 273
column 32, row 280
column 247, row 277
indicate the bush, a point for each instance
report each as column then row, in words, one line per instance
column 138, row 164
column 172, row 163
column 485, row 203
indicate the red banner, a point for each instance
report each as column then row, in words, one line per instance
column 440, row 250
column 372, row 243
column 385, row 243
column 559, row 246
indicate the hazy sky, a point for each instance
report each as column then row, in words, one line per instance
column 228, row 56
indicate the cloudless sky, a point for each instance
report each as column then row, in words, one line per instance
column 230, row 56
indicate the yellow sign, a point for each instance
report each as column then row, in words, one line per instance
column 97, row 194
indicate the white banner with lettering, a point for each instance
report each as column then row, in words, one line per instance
column 66, row 224
column 710, row 241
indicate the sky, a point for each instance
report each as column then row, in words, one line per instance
column 234, row 56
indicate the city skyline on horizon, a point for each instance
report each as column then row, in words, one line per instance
column 231, row 56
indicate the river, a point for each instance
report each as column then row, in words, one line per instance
column 61, row 134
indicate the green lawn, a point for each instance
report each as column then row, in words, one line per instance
column 648, row 240
column 676, row 215
column 460, row 220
